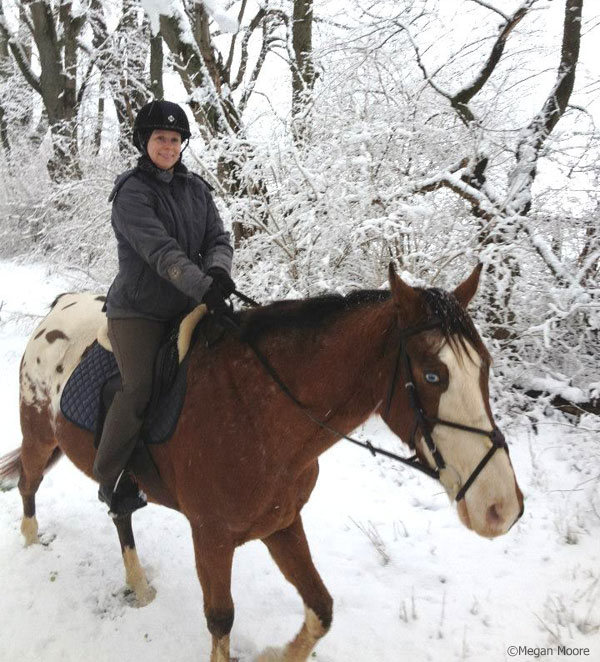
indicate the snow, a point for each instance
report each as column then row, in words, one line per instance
column 154, row 8
column 418, row 587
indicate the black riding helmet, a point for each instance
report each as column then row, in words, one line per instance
column 159, row 115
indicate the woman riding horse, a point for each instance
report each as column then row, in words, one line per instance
column 173, row 254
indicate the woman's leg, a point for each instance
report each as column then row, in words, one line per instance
column 135, row 343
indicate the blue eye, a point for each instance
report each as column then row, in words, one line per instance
column 432, row 378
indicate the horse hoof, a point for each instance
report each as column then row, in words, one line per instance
column 271, row 655
column 29, row 529
column 145, row 597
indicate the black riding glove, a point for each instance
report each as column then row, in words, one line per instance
column 223, row 279
column 215, row 301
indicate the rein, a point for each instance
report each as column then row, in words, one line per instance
column 422, row 419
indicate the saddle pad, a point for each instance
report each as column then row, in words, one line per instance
column 81, row 401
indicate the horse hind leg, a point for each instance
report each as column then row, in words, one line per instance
column 39, row 451
column 34, row 462
column 135, row 576
column 289, row 548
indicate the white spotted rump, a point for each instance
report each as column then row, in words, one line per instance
column 56, row 347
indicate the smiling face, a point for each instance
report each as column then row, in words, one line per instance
column 164, row 148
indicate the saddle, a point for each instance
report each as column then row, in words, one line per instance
column 90, row 390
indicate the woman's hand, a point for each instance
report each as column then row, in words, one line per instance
column 215, row 301
column 223, row 279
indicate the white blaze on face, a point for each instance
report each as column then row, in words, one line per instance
column 490, row 505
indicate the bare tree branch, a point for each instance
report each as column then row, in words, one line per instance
column 18, row 52
column 234, row 37
column 254, row 23
column 460, row 100
column 265, row 48
column 481, row 3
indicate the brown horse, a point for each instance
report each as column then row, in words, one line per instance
column 243, row 460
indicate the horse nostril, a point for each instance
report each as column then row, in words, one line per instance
column 493, row 516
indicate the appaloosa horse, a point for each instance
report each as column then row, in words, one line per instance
column 244, row 457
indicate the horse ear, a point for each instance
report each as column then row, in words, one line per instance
column 405, row 297
column 466, row 290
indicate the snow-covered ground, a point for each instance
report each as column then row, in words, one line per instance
column 409, row 582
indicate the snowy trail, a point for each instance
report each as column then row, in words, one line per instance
column 426, row 589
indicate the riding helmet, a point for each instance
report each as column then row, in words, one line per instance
column 159, row 115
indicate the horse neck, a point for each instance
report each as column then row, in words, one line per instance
column 344, row 369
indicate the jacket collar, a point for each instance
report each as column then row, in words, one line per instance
column 145, row 165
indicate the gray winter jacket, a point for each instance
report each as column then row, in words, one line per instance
column 169, row 234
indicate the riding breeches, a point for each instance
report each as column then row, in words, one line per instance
column 135, row 343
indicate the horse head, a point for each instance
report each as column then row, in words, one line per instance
column 438, row 403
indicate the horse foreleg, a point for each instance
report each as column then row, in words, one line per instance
column 134, row 573
column 214, row 559
column 290, row 551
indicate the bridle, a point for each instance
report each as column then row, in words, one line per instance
column 442, row 471
column 424, row 421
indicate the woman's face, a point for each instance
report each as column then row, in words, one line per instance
column 164, row 148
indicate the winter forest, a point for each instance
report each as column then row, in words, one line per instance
column 340, row 136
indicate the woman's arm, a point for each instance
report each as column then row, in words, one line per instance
column 134, row 218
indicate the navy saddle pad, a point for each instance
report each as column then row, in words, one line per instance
column 89, row 391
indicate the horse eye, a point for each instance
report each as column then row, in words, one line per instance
column 432, row 377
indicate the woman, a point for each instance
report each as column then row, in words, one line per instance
column 173, row 254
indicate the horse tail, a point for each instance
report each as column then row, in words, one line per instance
column 10, row 467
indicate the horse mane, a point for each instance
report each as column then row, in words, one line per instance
column 456, row 325
column 309, row 313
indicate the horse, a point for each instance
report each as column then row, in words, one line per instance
column 261, row 406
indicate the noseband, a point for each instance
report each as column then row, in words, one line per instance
column 425, row 422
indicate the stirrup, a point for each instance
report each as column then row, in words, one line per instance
column 122, row 498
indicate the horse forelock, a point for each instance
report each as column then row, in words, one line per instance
column 456, row 326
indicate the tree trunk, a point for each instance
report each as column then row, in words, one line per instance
column 5, row 74
column 57, row 81
column 303, row 73
column 156, row 67
column 535, row 135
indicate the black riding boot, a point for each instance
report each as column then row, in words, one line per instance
column 123, row 497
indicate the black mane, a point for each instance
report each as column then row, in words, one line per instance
column 304, row 313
